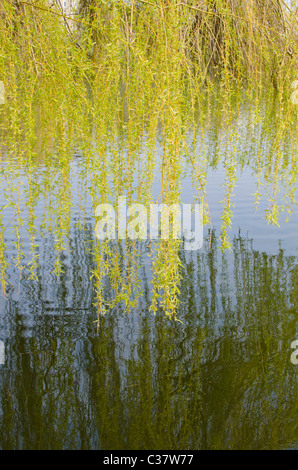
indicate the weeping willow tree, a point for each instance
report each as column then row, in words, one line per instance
column 255, row 39
column 117, row 80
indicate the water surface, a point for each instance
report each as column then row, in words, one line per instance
column 220, row 378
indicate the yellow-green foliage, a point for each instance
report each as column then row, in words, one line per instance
column 114, row 80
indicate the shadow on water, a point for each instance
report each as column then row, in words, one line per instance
column 221, row 379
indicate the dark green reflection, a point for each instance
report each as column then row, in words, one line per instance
column 221, row 380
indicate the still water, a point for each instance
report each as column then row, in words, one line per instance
column 221, row 378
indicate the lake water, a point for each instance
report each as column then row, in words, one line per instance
column 220, row 378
